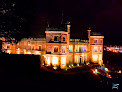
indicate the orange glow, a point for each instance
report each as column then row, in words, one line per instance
column 55, row 61
column 48, row 60
column 24, row 50
column 18, row 51
column 94, row 72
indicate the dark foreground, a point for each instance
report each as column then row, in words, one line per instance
column 22, row 74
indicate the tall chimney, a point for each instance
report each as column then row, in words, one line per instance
column 89, row 32
column 68, row 28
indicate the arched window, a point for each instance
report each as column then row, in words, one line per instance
column 63, row 38
column 55, row 38
column 56, row 49
column 95, row 49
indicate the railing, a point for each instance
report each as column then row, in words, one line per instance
column 34, row 39
column 78, row 40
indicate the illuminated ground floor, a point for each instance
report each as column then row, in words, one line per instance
column 75, row 58
column 62, row 60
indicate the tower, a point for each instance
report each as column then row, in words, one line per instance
column 96, row 47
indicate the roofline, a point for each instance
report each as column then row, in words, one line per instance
column 56, row 32
column 98, row 36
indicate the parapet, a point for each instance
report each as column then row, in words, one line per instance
column 79, row 40
column 33, row 39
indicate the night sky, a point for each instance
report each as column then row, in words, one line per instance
column 103, row 16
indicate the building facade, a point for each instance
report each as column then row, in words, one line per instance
column 57, row 49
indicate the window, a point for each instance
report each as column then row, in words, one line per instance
column 95, row 57
column 40, row 48
column 8, row 46
column 54, row 61
column 95, row 41
column 63, row 49
column 79, row 49
column 84, row 48
column 33, row 47
column 100, row 49
column 28, row 42
column 63, row 61
column 95, row 49
column 63, row 38
column 48, row 60
column 76, row 48
column 70, row 48
column 101, row 41
column 55, row 49
column 55, row 38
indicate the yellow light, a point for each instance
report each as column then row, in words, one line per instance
column 119, row 71
column 55, row 68
column 24, row 50
column 77, row 64
column 63, row 61
column 28, row 52
column 37, row 53
column 18, row 51
column 8, row 51
column 94, row 72
column 55, row 61
column 95, row 57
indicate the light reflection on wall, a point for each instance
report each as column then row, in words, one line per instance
column 48, row 60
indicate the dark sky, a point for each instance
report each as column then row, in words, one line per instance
column 103, row 16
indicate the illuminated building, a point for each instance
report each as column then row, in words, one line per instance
column 57, row 49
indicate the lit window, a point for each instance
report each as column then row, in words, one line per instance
column 55, row 38
column 40, row 48
column 70, row 48
column 101, row 41
column 95, row 57
column 63, row 38
column 80, row 49
column 63, row 61
column 33, row 47
column 95, row 41
column 95, row 49
column 63, row 49
column 76, row 59
column 55, row 61
column 55, row 49
column 100, row 49
column 48, row 60
column 84, row 48
column 28, row 42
